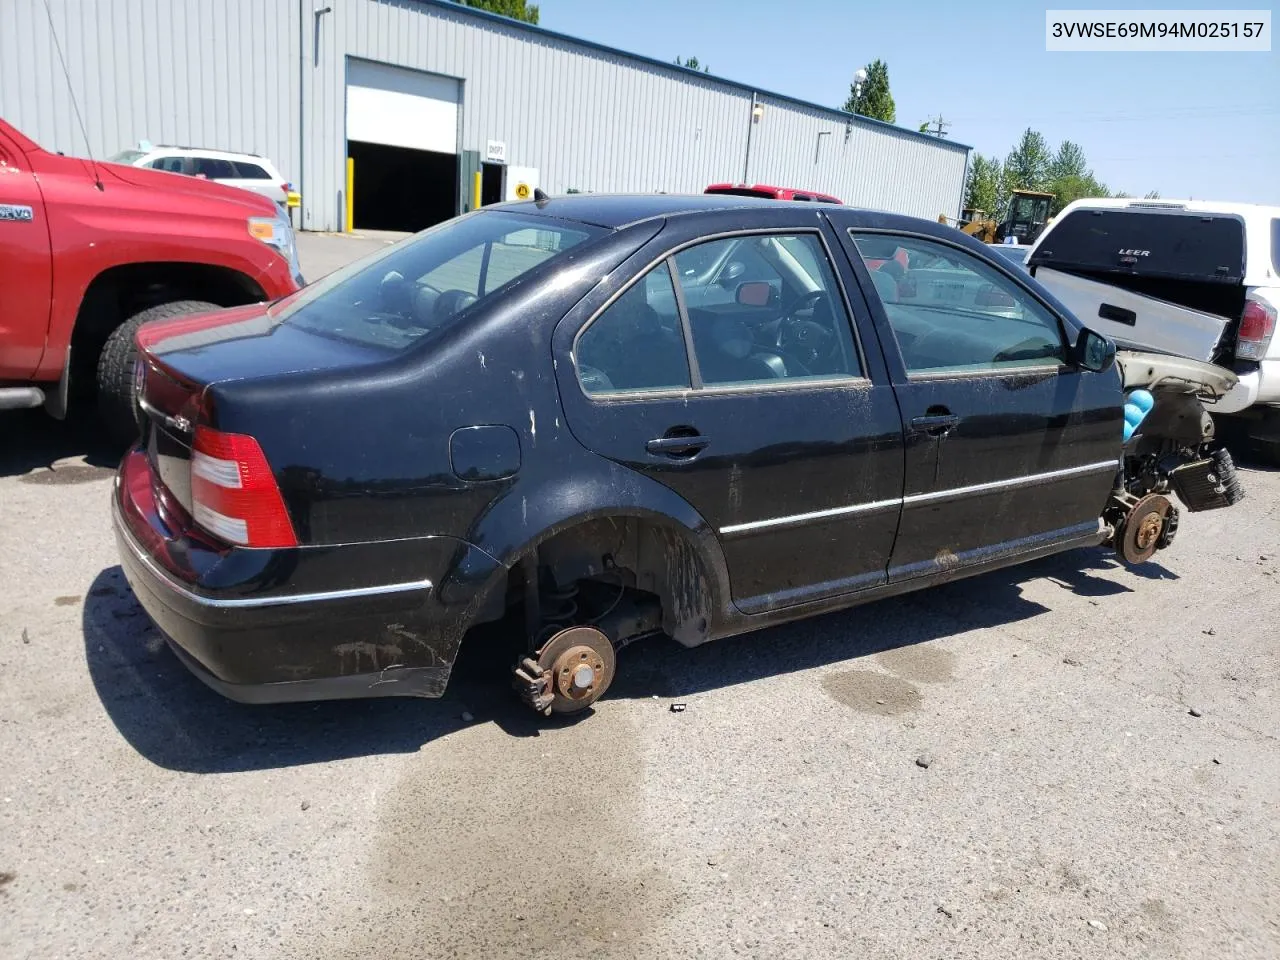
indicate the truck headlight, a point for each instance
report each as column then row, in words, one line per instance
column 278, row 232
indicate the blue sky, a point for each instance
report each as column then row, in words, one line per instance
column 1205, row 125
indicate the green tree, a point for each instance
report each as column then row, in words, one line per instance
column 1027, row 166
column 1031, row 165
column 1074, row 187
column 982, row 189
column 692, row 64
column 1069, row 177
column 874, row 100
column 515, row 9
column 1068, row 161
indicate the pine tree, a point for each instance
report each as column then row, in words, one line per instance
column 874, row 100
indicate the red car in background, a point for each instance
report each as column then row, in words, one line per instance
column 770, row 193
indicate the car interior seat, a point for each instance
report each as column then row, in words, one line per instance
column 727, row 353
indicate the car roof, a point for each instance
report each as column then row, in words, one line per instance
column 617, row 210
column 215, row 154
column 1226, row 207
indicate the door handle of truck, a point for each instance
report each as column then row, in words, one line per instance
column 1118, row 314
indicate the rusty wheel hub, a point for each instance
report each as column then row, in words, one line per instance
column 571, row 671
column 1144, row 527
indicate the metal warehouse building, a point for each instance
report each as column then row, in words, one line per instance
column 423, row 95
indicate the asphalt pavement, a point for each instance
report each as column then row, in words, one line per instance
column 1065, row 759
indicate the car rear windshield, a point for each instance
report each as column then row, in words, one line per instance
column 425, row 284
column 128, row 157
column 1148, row 243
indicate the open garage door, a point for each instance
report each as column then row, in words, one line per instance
column 402, row 135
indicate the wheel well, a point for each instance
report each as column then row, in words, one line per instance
column 120, row 292
column 647, row 557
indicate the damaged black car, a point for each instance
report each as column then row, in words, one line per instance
column 602, row 418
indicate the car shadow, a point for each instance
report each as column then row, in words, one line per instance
column 173, row 720
column 31, row 442
column 990, row 600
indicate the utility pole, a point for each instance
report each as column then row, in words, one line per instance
column 757, row 111
column 937, row 126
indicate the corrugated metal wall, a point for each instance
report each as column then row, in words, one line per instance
column 227, row 74
column 218, row 74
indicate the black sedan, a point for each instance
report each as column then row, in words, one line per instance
column 606, row 417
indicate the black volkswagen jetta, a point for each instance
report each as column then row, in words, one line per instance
column 611, row 417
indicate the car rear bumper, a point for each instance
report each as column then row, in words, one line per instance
column 1260, row 385
column 312, row 623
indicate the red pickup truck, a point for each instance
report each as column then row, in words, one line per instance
column 89, row 251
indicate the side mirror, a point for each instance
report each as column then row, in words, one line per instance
column 1094, row 352
column 754, row 293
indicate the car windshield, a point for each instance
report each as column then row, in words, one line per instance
column 126, row 156
column 423, row 285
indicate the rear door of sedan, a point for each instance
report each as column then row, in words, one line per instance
column 795, row 460
column 1010, row 447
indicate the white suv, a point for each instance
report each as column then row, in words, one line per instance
column 1193, row 278
column 244, row 170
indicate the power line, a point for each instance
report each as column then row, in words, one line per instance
column 937, row 126
column 1190, row 114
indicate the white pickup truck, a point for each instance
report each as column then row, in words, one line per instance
column 1192, row 278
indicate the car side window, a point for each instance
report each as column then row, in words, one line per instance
column 952, row 312
column 213, row 169
column 170, row 164
column 249, row 171
column 780, row 316
column 637, row 343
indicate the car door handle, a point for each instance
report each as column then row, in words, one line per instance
column 678, row 447
column 935, row 424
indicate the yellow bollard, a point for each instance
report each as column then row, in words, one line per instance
column 351, row 194
column 475, row 192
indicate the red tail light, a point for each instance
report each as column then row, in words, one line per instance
column 1257, row 324
column 234, row 494
column 285, row 188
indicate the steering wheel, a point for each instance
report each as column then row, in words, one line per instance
column 805, row 341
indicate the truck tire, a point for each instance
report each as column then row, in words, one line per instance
column 116, row 407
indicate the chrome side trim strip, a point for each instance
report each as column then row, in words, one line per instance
column 815, row 515
column 243, row 603
column 994, row 485
column 915, row 498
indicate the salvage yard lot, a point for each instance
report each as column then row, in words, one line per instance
column 1064, row 759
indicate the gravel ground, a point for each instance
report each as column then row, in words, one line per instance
column 1064, row 759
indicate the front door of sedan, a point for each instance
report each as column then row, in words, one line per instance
column 762, row 412
column 1009, row 447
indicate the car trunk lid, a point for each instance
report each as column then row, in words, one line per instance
column 180, row 360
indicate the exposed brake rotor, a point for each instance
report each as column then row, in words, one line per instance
column 1145, row 526
column 569, row 672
